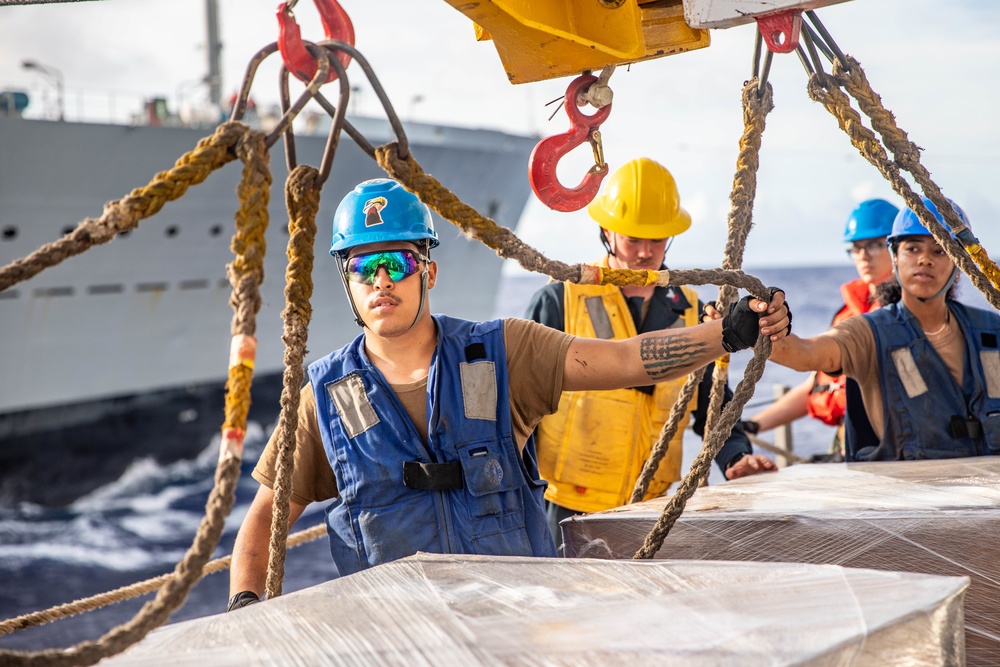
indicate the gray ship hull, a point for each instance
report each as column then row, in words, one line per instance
column 123, row 351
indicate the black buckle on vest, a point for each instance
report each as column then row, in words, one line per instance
column 965, row 427
column 433, row 476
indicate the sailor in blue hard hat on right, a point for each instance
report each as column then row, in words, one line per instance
column 417, row 435
column 826, row 396
column 927, row 365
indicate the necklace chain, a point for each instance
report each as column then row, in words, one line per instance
column 947, row 320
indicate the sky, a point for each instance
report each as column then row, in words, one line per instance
column 933, row 62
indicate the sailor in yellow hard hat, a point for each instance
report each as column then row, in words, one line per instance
column 593, row 449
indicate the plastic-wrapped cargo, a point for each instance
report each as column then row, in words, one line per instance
column 491, row 610
column 935, row 517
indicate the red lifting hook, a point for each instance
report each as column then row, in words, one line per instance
column 546, row 155
column 336, row 24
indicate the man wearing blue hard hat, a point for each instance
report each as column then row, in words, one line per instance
column 419, row 431
column 823, row 396
column 928, row 366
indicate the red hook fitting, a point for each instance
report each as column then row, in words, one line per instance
column 336, row 24
column 781, row 31
column 546, row 155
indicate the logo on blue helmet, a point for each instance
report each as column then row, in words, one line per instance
column 372, row 210
column 872, row 219
column 381, row 210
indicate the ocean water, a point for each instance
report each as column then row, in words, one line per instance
column 141, row 525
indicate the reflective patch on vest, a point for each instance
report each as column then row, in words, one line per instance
column 913, row 382
column 991, row 369
column 352, row 404
column 479, row 390
column 599, row 317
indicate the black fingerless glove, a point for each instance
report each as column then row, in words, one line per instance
column 740, row 328
column 242, row 599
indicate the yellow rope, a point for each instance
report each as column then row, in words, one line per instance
column 245, row 274
column 124, row 214
column 988, row 266
column 826, row 89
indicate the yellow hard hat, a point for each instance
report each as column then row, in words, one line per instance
column 640, row 200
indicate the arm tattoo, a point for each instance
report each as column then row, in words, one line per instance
column 663, row 355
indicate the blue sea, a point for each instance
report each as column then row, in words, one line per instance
column 139, row 526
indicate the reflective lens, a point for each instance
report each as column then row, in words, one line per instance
column 397, row 263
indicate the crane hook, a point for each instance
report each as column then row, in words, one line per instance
column 546, row 155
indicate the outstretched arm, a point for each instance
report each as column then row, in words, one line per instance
column 659, row 356
column 819, row 353
column 248, row 570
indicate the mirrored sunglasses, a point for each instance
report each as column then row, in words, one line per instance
column 398, row 264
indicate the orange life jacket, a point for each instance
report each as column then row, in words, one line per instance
column 827, row 398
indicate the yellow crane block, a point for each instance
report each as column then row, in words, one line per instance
column 547, row 39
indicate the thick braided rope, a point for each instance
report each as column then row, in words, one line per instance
column 825, row 90
column 246, row 273
column 302, row 191
column 412, row 177
column 711, row 446
column 124, row 214
column 170, row 596
column 659, row 451
column 907, row 155
column 134, row 590
column 755, row 110
column 189, row 570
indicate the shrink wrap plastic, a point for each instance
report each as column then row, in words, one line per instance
column 465, row 611
column 936, row 517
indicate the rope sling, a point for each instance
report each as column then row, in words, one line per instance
column 233, row 139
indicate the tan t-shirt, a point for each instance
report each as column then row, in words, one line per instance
column 856, row 340
column 536, row 356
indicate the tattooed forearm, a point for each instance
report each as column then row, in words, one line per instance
column 674, row 355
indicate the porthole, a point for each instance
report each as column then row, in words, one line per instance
column 172, row 231
column 9, row 233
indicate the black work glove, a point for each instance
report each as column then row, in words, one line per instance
column 242, row 599
column 740, row 328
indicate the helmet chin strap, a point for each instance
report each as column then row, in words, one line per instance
column 606, row 243
column 941, row 292
column 350, row 297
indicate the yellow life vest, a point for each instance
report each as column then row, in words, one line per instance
column 592, row 451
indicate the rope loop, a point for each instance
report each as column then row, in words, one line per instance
column 302, row 191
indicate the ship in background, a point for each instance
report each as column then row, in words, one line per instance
column 122, row 352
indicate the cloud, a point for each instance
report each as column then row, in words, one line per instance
column 934, row 69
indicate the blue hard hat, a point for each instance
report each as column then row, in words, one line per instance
column 908, row 224
column 871, row 219
column 381, row 210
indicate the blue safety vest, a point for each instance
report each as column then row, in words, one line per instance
column 927, row 414
column 468, row 490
